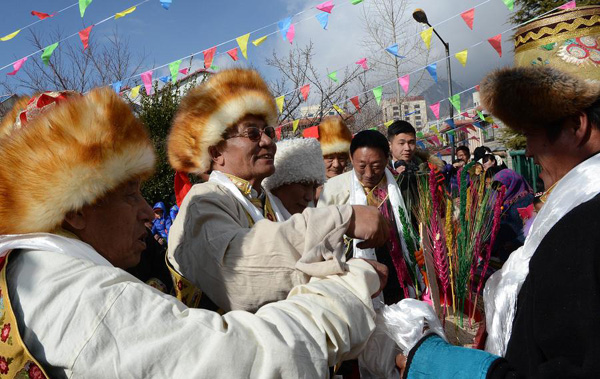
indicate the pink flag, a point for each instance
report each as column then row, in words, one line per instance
column 291, row 33
column 435, row 140
column 147, row 80
column 17, row 66
column 84, row 35
column 496, row 43
column 354, row 101
column 326, row 6
column 233, row 53
column 209, row 54
column 468, row 16
column 569, row 5
column 465, row 114
column 404, row 82
column 305, row 90
column 435, row 108
column 363, row 63
column 184, row 71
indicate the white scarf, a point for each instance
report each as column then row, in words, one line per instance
column 256, row 214
column 580, row 184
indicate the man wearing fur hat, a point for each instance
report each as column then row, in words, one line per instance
column 299, row 171
column 229, row 239
column 543, row 307
column 335, row 138
column 73, row 217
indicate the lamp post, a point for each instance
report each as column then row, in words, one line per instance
column 420, row 16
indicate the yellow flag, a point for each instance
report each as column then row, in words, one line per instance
column 426, row 36
column 436, row 131
column 124, row 13
column 279, row 101
column 258, row 41
column 135, row 91
column 462, row 57
column 388, row 123
column 295, row 125
column 10, row 36
column 243, row 43
column 340, row 110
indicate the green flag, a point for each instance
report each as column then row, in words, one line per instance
column 83, row 4
column 455, row 100
column 420, row 135
column 354, row 2
column 214, row 68
column 377, row 91
column 333, row 76
column 48, row 53
column 174, row 68
column 481, row 116
column 510, row 4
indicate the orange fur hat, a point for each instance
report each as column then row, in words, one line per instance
column 208, row 110
column 334, row 136
column 71, row 155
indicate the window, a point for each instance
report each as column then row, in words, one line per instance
column 331, row 113
column 396, row 114
column 418, row 123
column 417, row 106
column 405, row 107
column 395, row 108
column 488, row 134
column 417, row 117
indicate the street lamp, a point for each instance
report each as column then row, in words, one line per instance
column 420, row 16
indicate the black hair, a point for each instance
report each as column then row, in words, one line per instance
column 400, row 126
column 372, row 139
column 488, row 157
column 465, row 149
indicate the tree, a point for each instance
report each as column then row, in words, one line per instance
column 513, row 140
column 528, row 9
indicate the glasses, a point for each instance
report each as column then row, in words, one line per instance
column 254, row 134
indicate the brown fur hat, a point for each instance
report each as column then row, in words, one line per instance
column 334, row 135
column 208, row 110
column 69, row 156
column 526, row 98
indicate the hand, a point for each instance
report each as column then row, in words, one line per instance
column 382, row 272
column 369, row 225
column 401, row 363
column 400, row 169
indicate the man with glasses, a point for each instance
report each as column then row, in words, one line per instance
column 230, row 239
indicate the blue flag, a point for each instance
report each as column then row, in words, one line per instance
column 451, row 123
column 394, row 50
column 323, row 18
column 421, row 145
column 165, row 4
column 117, row 86
column 284, row 26
column 165, row 79
column 432, row 70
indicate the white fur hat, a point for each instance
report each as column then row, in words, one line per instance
column 297, row 160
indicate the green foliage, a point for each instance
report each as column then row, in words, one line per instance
column 528, row 9
column 513, row 140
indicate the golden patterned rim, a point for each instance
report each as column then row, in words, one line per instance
column 565, row 32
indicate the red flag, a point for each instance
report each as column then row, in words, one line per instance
column 465, row 114
column 354, row 101
column 209, row 54
column 305, row 90
column 85, row 36
column 41, row 15
column 182, row 186
column 312, row 132
column 468, row 16
column 477, row 88
column 278, row 132
column 184, row 71
column 233, row 53
column 496, row 43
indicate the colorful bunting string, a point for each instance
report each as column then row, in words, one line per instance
column 279, row 101
column 394, row 50
column 461, row 56
column 468, row 17
column 510, row 4
column 209, row 54
column 305, row 90
column 147, row 80
column 124, row 13
column 363, row 63
column 326, row 6
column 432, row 70
column 435, row 108
column 166, row 4
column 377, row 92
column 404, row 82
column 10, row 36
column 83, row 4
column 48, row 53
column 174, row 69
column 356, row 103
column 426, row 36
column 84, row 35
column 259, row 41
column 243, row 44
column 323, row 19
column 17, row 66
column 496, row 43
column 333, row 76
column 41, row 15
column 135, row 91
column 233, row 53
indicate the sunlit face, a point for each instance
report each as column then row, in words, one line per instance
column 335, row 164
column 403, row 146
column 369, row 165
column 296, row 197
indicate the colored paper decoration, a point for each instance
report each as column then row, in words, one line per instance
column 83, row 4
column 165, row 4
column 10, row 36
column 127, row 11
column 214, row 67
column 404, row 82
column 356, row 103
column 147, row 80
column 377, row 92
column 496, row 43
column 394, row 50
column 291, row 33
column 174, row 69
column 421, row 145
column 326, row 6
column 462, row 57
column 209, row 55
column 569, row 5
column 426, row 36
column 165, row 79
column 354, row 2
column 480, row 115
column 260, row 40
column 305, row 90
column 17, row 66
column 84, row 35
column 432, row 70
column 363, row 62
column 338, row 109
column 333, row 76
column 233, row 53
column 435, row 108
column 388, row 123
column 135, row 91
column 312, row 132
column 117, row 86
column 468, row 16
column 184, row 71
column 284, row 25
column 295, row 125
column 278, row 132
column 323, row 19
column 510, row 4
column 40, row 15
column 455, row 101
column 48, row 53
column 279, row 101
column 243, row 44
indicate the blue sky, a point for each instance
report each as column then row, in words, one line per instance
column 192, row 26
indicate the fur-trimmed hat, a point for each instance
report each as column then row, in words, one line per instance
column 297, row 160
column 334, row 135
column 69, row 156
column 208, row 110
column 527, row 98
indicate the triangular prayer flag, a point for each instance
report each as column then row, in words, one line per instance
column 394, row 50
column 323, row 19
column 278, row 132
column 480, row 115
column 295, row 125
column 147, row 80
column 83, row 4
column 468, row 17
column 432, row 70
column 426, row 36
column 165, row 79
column 10, row 36
column 184, row 71
column 377, row 92
column 48, row 53
column 421, row 145
column 243, row 44
column 260, row 40
column 174, row 69
column 354, row 2
column 455, row 101
column 284, row 26
column 510, row 4
column 338, row 109
column 40, row 15
column 356, row 103
column 464, row 114
column 165, row 4
column 291, row 33
column 404, row 82
column 135, row 91
column 117, row 86
column 209, row 54
column 569, row 5
column 17, row 66
column 333, row 76
column 312, row 132
column 127, row 11
column 496, row 43
column 420, row 135
column 182, row 185
column 305, row 91
column 326, row 6
column 233, row 53
column 435, row 130
column 435, row 108
column 362, row 62
column 462, row 57
column 84, row 35
column 214, row 67
column 388, row 123
column 279, row 101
